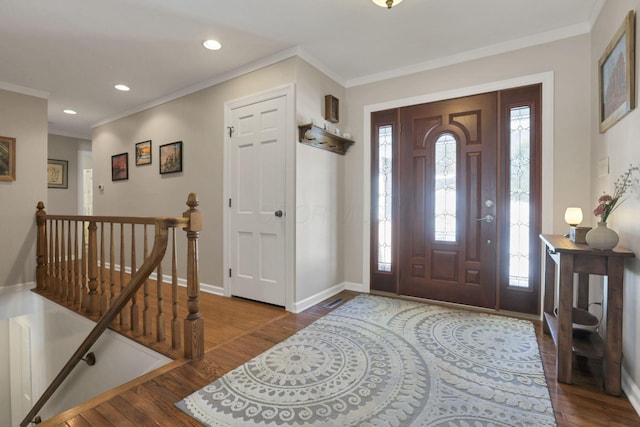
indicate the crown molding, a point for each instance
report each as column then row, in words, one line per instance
column 24, row 90
column 511, row 45
column 237, row 72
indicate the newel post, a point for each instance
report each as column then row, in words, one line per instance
column 93, row 297
column 41, row 247
column 194, row 323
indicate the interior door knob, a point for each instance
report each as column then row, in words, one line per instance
column 278, row 213
column 487, row 218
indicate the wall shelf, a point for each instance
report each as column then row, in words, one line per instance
column 317, row 137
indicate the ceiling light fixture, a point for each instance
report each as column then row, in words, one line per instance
column 123, row 88
column 69, row 112
column 212, row 44
column 386, row 3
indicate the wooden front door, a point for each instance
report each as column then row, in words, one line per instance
column 447, row 175
column 456, row 200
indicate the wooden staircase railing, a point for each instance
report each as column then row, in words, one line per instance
column 71, row 269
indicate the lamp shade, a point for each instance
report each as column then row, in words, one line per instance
column 386, row 3
column 573, row 216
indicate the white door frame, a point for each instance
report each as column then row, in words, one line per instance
column 288, row 91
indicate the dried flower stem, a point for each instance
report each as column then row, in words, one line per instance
column 607, row 203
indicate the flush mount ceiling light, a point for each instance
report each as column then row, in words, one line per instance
column 123, row 88
column 212, row 44
column 386, row 3
column 69, row 112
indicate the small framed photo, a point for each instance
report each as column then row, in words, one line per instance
column 143, row 153
column 616, row 75
column 7, row 158
column 171, row 157
column 331, row 109
column 57, row 173
column 120, row 167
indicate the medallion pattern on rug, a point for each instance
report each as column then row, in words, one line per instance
column 387, row 362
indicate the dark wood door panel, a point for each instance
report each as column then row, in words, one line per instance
column 462, row 270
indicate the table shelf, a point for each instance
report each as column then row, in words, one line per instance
column 583, row 343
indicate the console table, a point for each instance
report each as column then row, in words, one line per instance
column 581, row 259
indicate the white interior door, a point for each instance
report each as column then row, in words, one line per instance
column 257, row 201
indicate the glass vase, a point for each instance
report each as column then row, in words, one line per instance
column 602, row 237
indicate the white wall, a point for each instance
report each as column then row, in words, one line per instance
column 621, row 144
column 198, row 121
column 64, row 201
column 319, row 194
column 23, row 117
column 568, row 62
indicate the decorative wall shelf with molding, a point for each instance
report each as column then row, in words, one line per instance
column 317, row 137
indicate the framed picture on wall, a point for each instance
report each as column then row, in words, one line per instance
column 7, row 158
column 120, row 167
column 57, row 173
column 616, row 75
column 331, row 109
column 171, row 157
column 143, row 153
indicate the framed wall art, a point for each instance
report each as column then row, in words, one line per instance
column 120, row 167
column 331, row 109
column 143, row 153
column 57, row 173
column 7, row 158
column 171, row 157
column 616, row 75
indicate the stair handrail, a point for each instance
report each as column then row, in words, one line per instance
column 161, row 239
column 191, row 222
column 162, row 225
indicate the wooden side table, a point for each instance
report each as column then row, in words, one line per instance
column 581, row 259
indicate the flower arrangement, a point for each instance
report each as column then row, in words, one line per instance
column 608, row 203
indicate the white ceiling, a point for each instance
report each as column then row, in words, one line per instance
column 74, row 51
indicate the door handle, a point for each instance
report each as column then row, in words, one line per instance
column 278, row 213
column 487, row 218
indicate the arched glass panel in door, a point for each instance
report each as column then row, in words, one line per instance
column 445, row 208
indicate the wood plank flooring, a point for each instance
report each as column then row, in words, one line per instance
column 238, row 330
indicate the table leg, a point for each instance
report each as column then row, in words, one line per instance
column 549, row 287
column 565, row 328
column 613, row 340
column 583, row 290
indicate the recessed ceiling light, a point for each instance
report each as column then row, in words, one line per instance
column 69, row 112
column 123, row 88
column 212, row 44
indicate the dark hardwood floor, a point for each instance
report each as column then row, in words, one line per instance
column 238, row 330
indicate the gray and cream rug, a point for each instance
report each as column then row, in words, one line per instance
column 386, row 362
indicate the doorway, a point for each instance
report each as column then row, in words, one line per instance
column 455, row 201
column 258, row 195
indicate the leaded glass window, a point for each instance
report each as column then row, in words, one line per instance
column 385, row 193
column 445, row 207
column 520, row 196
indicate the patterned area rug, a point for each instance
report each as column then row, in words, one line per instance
column 386, row 362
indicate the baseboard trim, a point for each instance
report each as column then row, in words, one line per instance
column 631, row 389
column 204, row 287
column 356, row 287
column 301, row 306
column 212, row 289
